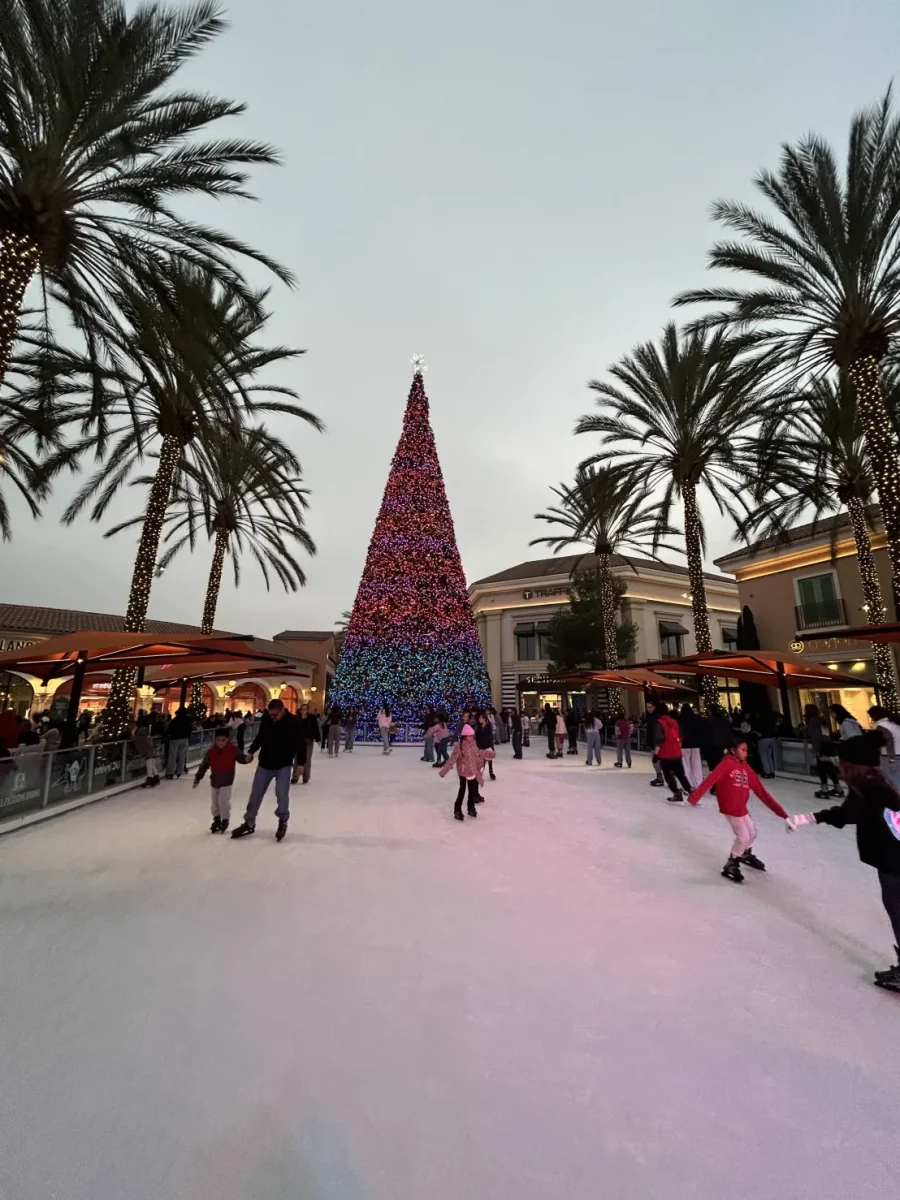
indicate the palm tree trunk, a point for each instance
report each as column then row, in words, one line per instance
column 117, row 714
column 875, row 610
column 19, row 258
column 608, row 605
column 213, row 585
column 881, row 446
column 694, row 547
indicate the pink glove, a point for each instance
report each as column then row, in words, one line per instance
column 795, row 822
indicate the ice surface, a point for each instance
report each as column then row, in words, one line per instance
column 562, row 999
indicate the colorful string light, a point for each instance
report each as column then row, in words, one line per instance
column 411, row 639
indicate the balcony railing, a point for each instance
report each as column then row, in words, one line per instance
column 824, row 614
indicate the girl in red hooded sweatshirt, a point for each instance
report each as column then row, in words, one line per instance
column 734, row 779
column 469, row 762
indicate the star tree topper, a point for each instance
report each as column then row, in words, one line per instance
column 417, row 362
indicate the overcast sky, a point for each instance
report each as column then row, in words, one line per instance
column 515, row 189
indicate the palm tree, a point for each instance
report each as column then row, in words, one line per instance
column 242, row 489
column 96, row 141
column 604, row 509
column 178, row 362
column 824, row 278
column 812, row 459
column 676, row 416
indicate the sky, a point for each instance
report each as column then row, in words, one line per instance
column 515, row 190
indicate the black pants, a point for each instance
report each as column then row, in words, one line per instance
column 472, row 785
column 551, row 741
column 491, row 769
column 517, row 745
column 890, row 894
column 673, row 773
column 828, row 773
column 573, row 740
column 713, row 756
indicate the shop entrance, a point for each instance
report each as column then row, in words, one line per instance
column 15, row 693
column 857, row 701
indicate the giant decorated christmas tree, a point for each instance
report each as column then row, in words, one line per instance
column 411, row 639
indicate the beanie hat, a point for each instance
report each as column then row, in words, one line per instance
column 467, row 731
column 864, row 750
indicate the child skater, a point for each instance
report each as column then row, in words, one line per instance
column 873, row 806
column 734, row 779
column 219, row 760
column 469, row 762
column 484, row 740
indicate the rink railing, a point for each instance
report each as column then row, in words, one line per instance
column 33, row 779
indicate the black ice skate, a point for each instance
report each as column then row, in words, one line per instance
column 471, row 810
column 281, row 831
column 822, row 794
column 891, row 977
column 223, row 827
column 677, row 798
column 243, row 830
column 457, row 812
column 732, row 871
column 837, row 792
column 749, row 859
column 657, row 783
column 216, row 826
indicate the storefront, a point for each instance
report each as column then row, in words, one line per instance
column 537, row 691
column 94, row 697
column 290, row 698
column 248, row 697
column 15, row 693
column 168, row 700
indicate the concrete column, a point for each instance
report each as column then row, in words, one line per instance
column 493, row 653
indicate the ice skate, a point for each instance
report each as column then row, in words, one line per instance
column 243, row 830
column 657, row 783
column 223, row 827
column 891, row 977
column 216, row 826
column 732, row 871
column 837, row 793
column 676, row 798
column 471, row 810
column 822, row 794
column 457, row 812
column 281, row 831
column 749, row 859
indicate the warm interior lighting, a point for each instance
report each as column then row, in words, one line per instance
column 832, row 666
column 858, row 666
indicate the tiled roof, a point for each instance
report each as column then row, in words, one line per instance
column 304, row 635
column 26, row 618
column 563, row 566
column 829, row 527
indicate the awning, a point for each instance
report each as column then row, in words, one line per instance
column 670, row 627
column 542, row 627
column 526, row 630
column 729, row 633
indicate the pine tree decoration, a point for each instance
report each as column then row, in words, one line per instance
column 411, row 639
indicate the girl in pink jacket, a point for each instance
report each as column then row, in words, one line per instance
column 469, row 762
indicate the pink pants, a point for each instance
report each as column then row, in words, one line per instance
column 744, row 834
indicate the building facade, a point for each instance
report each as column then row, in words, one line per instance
column 302, row 680
column 803, row 590
column 514, row 607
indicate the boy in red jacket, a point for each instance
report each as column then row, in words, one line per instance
column 219, row 760
column 734, row 779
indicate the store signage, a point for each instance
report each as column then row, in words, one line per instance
column 15, row 643
column 797, row 647
column 538, row 679
column 835, row 643
column 541, row 593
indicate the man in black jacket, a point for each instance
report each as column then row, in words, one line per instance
column 277, row 742
column 309, row 734
column 179, row 735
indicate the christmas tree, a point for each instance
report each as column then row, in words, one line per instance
column 412, row 640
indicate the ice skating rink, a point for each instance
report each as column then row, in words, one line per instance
column 562, row 999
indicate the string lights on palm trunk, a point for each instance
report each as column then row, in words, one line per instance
column 19, row 259
column 876, row 612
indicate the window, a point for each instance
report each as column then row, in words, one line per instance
column 819, row 604
column 729, row 638
column 526, row 643
column 542, row 629
column 671, row 634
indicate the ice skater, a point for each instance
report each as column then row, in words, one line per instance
column 873, row 806
column 469, row 762
column 220, row 761
column 484, row 740
column 734, row 779
column 667, row 737
column 278, row 742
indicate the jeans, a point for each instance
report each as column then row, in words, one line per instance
column 429, row 749
column 177, row 762
column 303, row 761
column 593, row 746
column 349, row 738
column 767, row 755
column 220, row 802
column 623, row 746
column 334, row 740
column 261, row 781
column 386, row 738
column 441, row 749
column 517, row 745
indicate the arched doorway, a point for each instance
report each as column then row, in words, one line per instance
column 290, row 698
column 167, row 700
column 15, row 693
column 248, row 697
